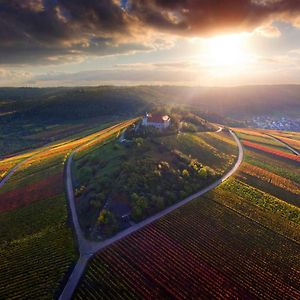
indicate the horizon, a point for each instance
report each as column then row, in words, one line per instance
column 152, row 85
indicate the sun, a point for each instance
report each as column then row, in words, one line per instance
column 227, row 50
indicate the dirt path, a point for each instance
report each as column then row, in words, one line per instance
column 88, row 249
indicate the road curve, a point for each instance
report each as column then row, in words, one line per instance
column 12, row 171
column 88, row 249
column 296, row 152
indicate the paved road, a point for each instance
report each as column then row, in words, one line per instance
column 88, row 249
column 296, row 152
column 12, row 171
column 219, row 129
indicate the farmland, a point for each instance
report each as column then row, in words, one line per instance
column 37, row 243
column 269, row 181
column 290, row 138
column 203, row 249
column 240, row 240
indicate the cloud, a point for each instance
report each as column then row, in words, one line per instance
column 47, row 31
column 269, row 31
column 13, row 77
column 57, row 31
column 193, row 17
column 140, row 73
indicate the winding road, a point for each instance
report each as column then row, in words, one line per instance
column 88, row 248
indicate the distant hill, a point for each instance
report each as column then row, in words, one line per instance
column 212, row 103
column 240, row 102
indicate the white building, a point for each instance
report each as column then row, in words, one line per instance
column 157, row 121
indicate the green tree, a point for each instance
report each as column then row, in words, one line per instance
column 203, row 173
column 185, row 173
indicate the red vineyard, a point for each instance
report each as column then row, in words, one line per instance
column 272, row 151
column 193, row 255
column 32, row 192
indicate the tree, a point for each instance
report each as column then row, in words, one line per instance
column 185, row 173
column 139, row 206
column 202, row 173
column 106, row 218
column 139, row 141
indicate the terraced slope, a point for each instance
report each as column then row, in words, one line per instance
column 37, row 246
column 237, row 241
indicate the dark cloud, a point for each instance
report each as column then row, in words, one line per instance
column 35, row 31
column 52, row 31
column 206, row 17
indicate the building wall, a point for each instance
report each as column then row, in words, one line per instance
column 145, row 122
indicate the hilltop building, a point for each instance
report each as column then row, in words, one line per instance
column 157, row 121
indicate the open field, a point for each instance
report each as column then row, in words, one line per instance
column 238, row 240
column 37, row 243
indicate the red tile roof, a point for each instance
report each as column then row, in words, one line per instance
column 157, row 118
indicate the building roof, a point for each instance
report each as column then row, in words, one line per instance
column 157, row 118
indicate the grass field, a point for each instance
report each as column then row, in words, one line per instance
column 237, row 241
column 37, row 245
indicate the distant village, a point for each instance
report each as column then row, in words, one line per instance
column 283, row 123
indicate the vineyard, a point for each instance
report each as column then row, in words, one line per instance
column 37, row 248
column 201, row 250
column 272, row 178
column 8, row 163
column 271, row 184
column 291, row 138
column 216, row 150
column 236, row 241
column 263, row 140
column 268, row 150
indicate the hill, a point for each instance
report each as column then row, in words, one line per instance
column 83, row 102
column 110, row 191
column 36, row 116
column 241, row 102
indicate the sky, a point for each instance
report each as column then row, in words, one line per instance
column 153, row 42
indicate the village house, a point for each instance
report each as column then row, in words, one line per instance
column 157, row 121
